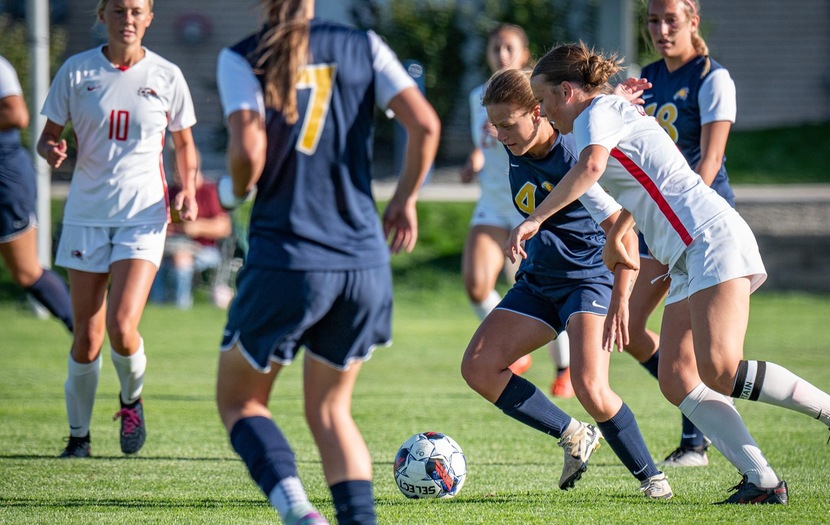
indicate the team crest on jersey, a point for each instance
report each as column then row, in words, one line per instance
column 682, row 94
column 547, row 186
column 147, row 92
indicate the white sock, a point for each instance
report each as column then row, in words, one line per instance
column 130, row 370
column 560, row 351
column 775, row 385
column 289, row 494
column 486, row 306
column 81, row 384
column 716, row 417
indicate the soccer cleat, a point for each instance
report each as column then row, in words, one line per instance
column 657, row 487
column 305, row 517
column 521, row 365
column 688, row 456
column 747, row 493
column 76, row 447
column 578, row 445
column 133, row 432
column 561, row 386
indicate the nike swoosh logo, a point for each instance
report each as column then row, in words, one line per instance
column 687, row 436
column 514, row 165
column 640, row 471
column 595, row 304
column 646, row 96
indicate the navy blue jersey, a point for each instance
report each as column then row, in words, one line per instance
column 674, row 100
column 569, row 244
column 314, row 208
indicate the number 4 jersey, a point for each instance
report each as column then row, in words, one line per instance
column 119, row 118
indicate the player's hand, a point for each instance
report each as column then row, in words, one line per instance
column 614, row 253
column 632, row 89
column 186, row 206
column 515, row 242
column 400, row 225
column 615, row 331
column 56, row 154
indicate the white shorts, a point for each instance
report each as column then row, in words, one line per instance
column 726, row 250
column 94, row 248
column 490, row 213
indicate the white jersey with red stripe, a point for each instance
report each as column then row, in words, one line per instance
column 649, row 176
column 119, row 118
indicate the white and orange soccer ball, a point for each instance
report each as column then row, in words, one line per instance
column 430, row 465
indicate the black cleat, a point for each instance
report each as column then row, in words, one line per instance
column 76, row 447
column 747, row 493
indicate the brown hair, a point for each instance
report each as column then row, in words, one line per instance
column 519, row 30
column 510, row 86
column 578, row 64
column 283, row 50
column 102, row 4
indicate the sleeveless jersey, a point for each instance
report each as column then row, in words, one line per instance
column 682, row 102
column 648, row 176
column 119, row 118
column 314, row 208
column 568, row 244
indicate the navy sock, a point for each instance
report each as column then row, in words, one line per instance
column 264, row 450
column 522, row 401
column 51, row 292
column 651, row 363
column 624, row 437
column 691, row 436
column 353, row 502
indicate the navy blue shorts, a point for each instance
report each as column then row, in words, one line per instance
column 18, row 192
column 554, row 300
column 338, row 316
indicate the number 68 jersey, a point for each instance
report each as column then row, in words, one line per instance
column 119, row 118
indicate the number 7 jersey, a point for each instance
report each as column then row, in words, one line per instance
column 119, row 118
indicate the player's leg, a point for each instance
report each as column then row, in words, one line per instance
column 89, row 292
column 589, row 365
column 20, row 256
column 649, row 291
column 242, row 394
column 712, row 412
column 482, row 261
column 560, row 355
column 720, row 315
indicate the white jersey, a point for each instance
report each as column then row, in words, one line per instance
column 648, row 176
column 119, row 118
column 494, row 177
column 9, row 86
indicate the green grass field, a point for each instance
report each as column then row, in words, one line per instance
column 187, row 472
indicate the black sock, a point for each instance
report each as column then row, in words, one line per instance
column 353, row 502
column 264, row 450
column 51, row 292
column 651, row 363
column 522, row 401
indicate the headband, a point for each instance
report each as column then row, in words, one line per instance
column 691, row 3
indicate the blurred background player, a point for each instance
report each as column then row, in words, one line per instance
column 495, row 214
column 120, row 98
column 18, row 203
column 192, row 247
column 317, row 273
column 693, row 99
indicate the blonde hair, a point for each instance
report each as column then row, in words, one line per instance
column 512, row 87
column 283, row 50
column 102, row 4
column 578, row 64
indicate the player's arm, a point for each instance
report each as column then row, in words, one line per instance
column 186, row 164
column 400, row 221
column 50, row 146
column 616, row 322
column 713, row 137
column 13, row 113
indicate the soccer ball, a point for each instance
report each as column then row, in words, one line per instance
column 430, row 465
